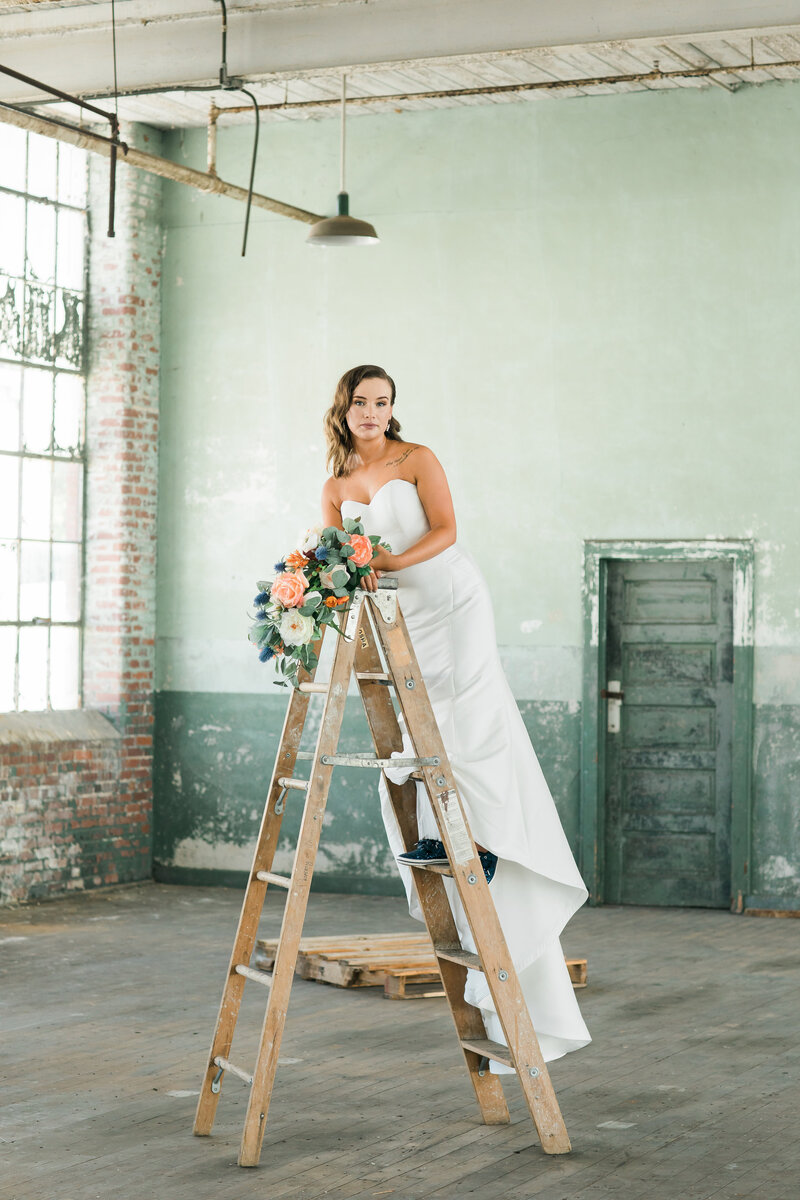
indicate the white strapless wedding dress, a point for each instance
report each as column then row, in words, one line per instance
column 537, row 886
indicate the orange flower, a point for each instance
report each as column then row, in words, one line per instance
column 362, row 549
column 335, row 601
column 288, row 588
column 296, row 560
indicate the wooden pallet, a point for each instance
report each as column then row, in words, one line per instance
column 403, row 963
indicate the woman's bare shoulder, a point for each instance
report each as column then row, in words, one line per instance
column 332, row 491
column 407, row 452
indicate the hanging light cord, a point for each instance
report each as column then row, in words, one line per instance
column 112, row 175
column 342, row 187
column 232, row 84
column 114, row 49
column 252, row 169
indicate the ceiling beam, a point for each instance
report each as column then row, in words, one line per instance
column 176, row 43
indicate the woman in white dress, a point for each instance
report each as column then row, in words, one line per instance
column 399, row 490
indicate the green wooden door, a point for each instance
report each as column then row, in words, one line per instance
column 668, row 768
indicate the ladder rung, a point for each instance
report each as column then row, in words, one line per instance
column 226, row 1065
column 375, row 763
column 304, row 754
column 297, row 785
column 436, row 868
column 320, row 689
column 263, row 977
column 277, row 880
column 487, row 1049
column 455, row 954
column 374, row 676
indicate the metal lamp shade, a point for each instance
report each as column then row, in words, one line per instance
column 342, row 230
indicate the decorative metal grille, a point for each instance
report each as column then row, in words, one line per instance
column 42, row 410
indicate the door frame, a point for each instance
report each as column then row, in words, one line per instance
column 596, row 555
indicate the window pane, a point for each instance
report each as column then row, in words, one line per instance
column 33, row 668
column 67, row 501
column 68, row 329
column 41, row 242
column 37, row 409
column 42, row 166
column 8, row 660
column 69, row 411
column 39, row 305
column 65, row 648
column 66, row 586
column 12, row 155
column 9, row 496
column 34, row 589
column 71, row 174
column 12, row 298
column 36, row 497
column 10, row 387
column 12, row 231
column 71, row 243
column 8, row 581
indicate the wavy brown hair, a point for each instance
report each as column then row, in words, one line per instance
column 338, row 438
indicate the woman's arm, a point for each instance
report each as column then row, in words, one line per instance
column 331, row 513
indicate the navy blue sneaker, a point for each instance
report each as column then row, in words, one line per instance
column 427, row 852
column 489, row 864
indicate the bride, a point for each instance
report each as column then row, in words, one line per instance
column 399, row 490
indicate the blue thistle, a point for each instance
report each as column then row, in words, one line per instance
column 266, row 654
column 261, row 614
column 321, row 554
column 280, row 566
column 261, row 598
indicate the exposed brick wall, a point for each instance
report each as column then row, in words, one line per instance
column 78, row 814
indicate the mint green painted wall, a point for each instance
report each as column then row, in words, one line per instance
column 589, row 307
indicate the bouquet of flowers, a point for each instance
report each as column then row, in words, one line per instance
column 310, row 585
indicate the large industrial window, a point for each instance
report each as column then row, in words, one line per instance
column 42, row 406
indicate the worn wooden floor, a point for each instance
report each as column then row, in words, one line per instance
column 690, row 1090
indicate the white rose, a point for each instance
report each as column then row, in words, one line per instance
column 310, row 539
column 295, row 629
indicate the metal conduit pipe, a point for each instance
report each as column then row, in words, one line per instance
column 204, row 182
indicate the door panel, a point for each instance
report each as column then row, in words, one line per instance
column 669, row 641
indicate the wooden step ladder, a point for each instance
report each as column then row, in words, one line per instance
column 374, row 619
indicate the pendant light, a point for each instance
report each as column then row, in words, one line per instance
column 342, row 230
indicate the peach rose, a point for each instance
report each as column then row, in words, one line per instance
column 288, row 588
column 362, row 549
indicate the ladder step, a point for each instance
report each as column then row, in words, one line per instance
column 298, row 785
column 370, row 760
column 436, row 868
column 319, row 689
column 263, row 977
column 276, row 880
column 374, row 676
column 487, row 1049
column 455, row 954
column 225, row 1065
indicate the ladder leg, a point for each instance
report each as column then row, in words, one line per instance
column 386, row 736
column 467, row 872
column 252, row 905
column 294, row 913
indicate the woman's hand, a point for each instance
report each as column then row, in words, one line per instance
column 382, row 561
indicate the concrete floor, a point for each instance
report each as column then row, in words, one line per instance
column 690, row 1090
